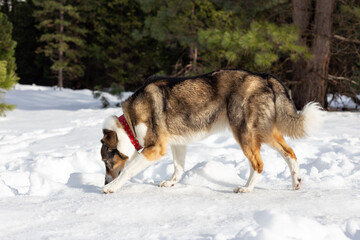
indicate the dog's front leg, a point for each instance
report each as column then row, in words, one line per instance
column 178, row 152
column 131, row 169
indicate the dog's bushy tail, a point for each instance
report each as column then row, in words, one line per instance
column 296, row 124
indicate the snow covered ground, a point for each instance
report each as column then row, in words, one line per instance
column 340, row 102
column 51, row 175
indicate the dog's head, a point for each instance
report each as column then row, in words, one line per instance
column 116, row 148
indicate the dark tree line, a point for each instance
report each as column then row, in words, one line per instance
column 311, row 45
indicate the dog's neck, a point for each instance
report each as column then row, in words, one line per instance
column 130, row 134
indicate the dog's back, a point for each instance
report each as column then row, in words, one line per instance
column 227, row 97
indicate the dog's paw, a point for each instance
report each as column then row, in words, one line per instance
column 167, row 183
column 297, row 184
column 242, row 190
column 107, row 189
column 296, row 181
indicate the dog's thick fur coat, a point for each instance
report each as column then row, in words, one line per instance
column 255, row 107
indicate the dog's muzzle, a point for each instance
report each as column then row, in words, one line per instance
column 108, row 179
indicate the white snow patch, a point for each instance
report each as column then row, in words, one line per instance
column 339, row 102
column 272, row 224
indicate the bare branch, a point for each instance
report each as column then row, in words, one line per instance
column 341, row 38
column 335, row 78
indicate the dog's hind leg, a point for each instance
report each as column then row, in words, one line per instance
column 178, row 152
column 277, row 141
column 250, row 184
column 251, row 149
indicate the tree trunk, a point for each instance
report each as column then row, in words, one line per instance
column 301, row 17
column 312, row 74
column 61, row 51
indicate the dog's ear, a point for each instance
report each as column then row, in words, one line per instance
column 110, row 138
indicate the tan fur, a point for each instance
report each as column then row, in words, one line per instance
column 110, row 139
column 118, row 166
column 250, row 144
column 277, row 140
column 154, row 153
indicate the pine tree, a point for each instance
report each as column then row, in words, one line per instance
column 115, row 54
column 7, row 61
column 62, row 36
column 177, row 23
column 255, row 48
column 30, row 67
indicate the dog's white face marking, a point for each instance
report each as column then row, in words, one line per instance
column 140, row 131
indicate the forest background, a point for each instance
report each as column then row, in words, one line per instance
column 313, row 46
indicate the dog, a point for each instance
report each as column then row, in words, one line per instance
column 177, row 111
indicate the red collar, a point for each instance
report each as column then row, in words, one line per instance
column 128, row 131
